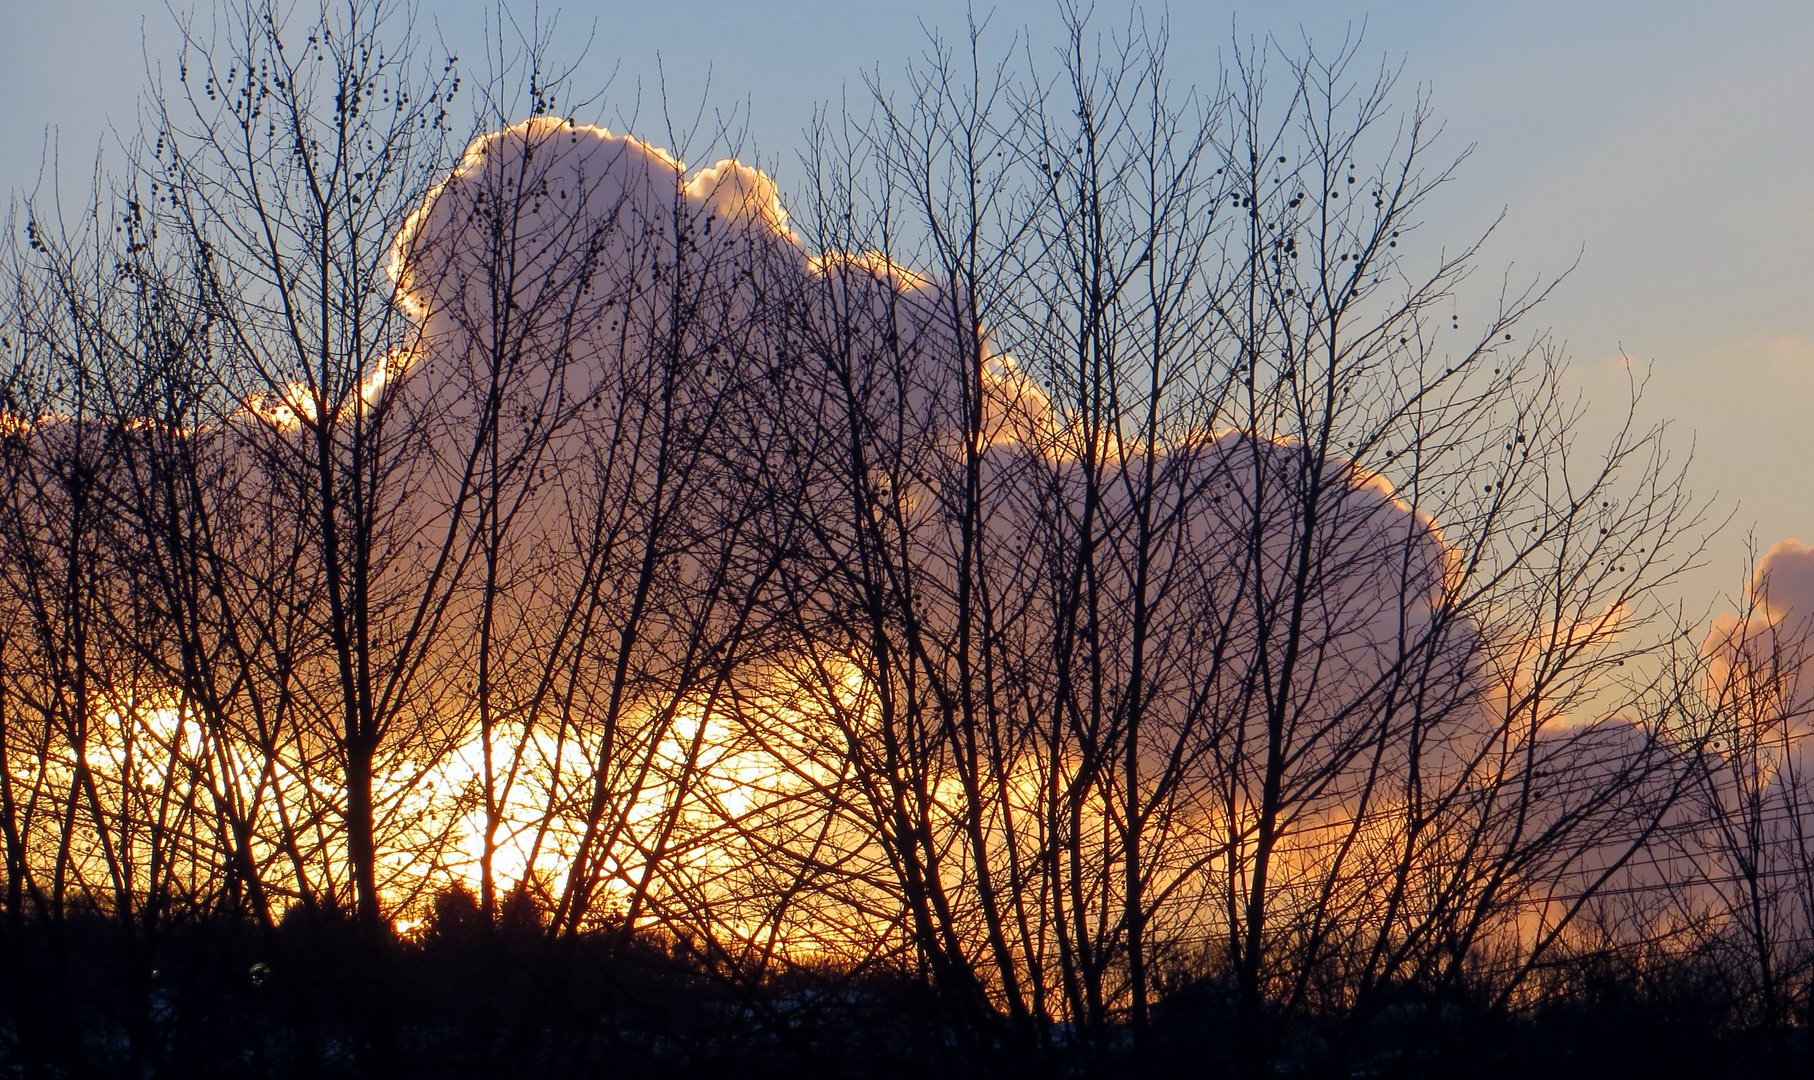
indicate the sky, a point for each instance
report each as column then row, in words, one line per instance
column 1663, row 149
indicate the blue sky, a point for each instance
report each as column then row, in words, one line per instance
column 1669, row 145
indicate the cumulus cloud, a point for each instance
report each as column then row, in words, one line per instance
column 551, row 255
column 548, row 273
column 1735, row 774
column 575, row 236
column 547, row 207
column 567, row 242
column 1784, row 581
column 1756, row 657
column 1676, row 825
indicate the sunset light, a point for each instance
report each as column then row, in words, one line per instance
column 1075, row 566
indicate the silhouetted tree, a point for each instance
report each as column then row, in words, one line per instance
column 1089, row 585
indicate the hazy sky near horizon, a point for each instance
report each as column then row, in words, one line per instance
column 1667, row 145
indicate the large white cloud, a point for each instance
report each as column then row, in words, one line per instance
column 571, row 283
column 575, row 245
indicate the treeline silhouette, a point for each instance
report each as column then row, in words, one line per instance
column 1080, row 588
column 312, row 997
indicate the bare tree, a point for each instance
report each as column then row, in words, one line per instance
column 1188, row 549
column 1100, row 562
column 1747, row 722
column 282, row 160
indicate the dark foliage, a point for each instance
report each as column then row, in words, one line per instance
column 316, row 997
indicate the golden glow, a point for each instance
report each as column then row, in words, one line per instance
column 738, row 193
column 698, row 796
column 872, row 263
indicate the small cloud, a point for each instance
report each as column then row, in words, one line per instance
column 1784, row 582
column 1756, row 355
column 1786, row 352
